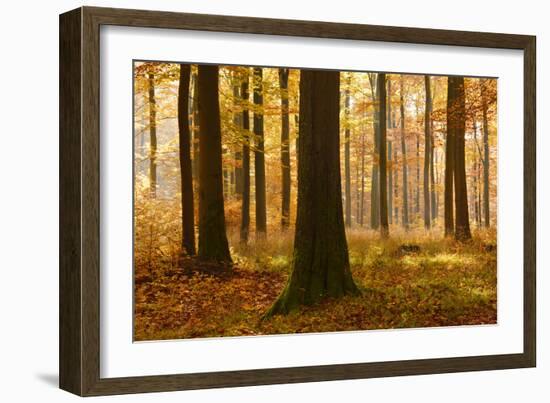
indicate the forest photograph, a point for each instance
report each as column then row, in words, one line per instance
column 276, row 200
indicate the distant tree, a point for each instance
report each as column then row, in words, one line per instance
column 259, row 154
column 320, row 265
column 186, row 175
column 285, row 148
column 212, row 237
column 427, row 150
column 153, row 135
column 245, row 206
column 404, row 153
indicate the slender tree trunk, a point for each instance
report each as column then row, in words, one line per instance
column 375, row 179
column 347, row 168
column 245, row 206
column 427, row 149
column 285, row 149
column 433, row 201
column 462, row 222
column 384, row 228
column 362, row 211
column 390, row 151
column 404, row 153
column 417, row 198
column 320, row 266
column 237, row 177
column 212, row 237
column 395, row 185
column 153, row 136
column 450, row 156
column 390, row 181
column 486, row 161
column 187, row 202
column 259, row 154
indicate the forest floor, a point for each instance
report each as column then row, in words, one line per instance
column 405, row 282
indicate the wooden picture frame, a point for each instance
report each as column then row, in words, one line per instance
column 79, row 201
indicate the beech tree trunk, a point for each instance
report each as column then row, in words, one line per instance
column 153, row 136
column 213, row 243
column 245, row 205
column 320, row 265
column 404, row 153
column 347, row 167
column 196, row 128
column 237, row 121
column 375, row 178
column 462, row 218
column 384, row 228
column 187, row 202
column 390, row 152
column 427, row 149
column 486, row 207
column 259, row 154
column 285, row 149
column 433, row 197
column 450, row 156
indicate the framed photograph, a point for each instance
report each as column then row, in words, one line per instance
column 249, row 201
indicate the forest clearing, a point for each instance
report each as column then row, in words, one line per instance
column 280, row 201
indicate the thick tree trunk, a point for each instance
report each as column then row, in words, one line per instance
column 245, row 206
column 427, row 150
column 486, row 208
column 187, row 202
column 259, row 154
column 450, row 143
column 212, row 237
column 153, row 136
column 196, row 133
column 384, row 228
column 462, row 219
column 320, row 265
column 404, row 153
column 375, row 178
column 347, row 167
column 285, row 149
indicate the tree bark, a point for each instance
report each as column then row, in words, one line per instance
column 153, row 136
column 384, row 228
column 462, row 220
column 486, row 161
column 212, row 237
column 237, row 121
column 450, row 156
column 196, row 131
column 245, row 205
column 375, row 178
column 404, row 153
column 347, row 167
column 433, row 198
column 259, row 154
column 320, row 265
column 285, row 149
column 187, row 202
column 390, row 152
column 427, row 149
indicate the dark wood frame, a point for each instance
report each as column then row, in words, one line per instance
column 79, row 201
